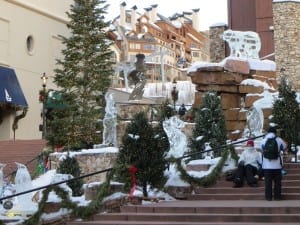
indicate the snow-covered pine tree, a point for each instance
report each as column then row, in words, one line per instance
column 143, row 148
column 286, row 112
column 83, row 76
column 70, row 165
column 209, row 127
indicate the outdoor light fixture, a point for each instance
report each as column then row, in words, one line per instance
column 174, row 94
column 43, row 98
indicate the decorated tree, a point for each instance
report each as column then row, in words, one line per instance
column 70, row 165
column 144, row 149
column 209, row 127
column 83, row 76
column 286, row 112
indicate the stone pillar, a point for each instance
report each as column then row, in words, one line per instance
column 217, row 44
column 286, row 39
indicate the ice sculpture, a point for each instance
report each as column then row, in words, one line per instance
column 243, row 44
column 255, row 122
column 2, row 165
column 207, row 153
column 177, row 139
column 23, row 183
column 138, row 78
column 109, row 122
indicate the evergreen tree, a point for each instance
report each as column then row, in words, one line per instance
column 82, row 76
column 210, row 125
column 145, row 149
column 286, row 112
column 70, row 166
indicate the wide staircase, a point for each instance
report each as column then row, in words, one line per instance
column 220, row 204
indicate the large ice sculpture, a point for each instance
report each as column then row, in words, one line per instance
column 138, row 78
column 109, row 121
column 255, row 122
column 177, row 139
column 23, row 183
column 243, row 44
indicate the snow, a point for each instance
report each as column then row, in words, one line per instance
column 172, row 173
column 254, row 64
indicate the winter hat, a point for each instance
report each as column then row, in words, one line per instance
column 272, row 130
column 250, row 143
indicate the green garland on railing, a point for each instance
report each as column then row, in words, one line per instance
column 208, row 180
column 77, row 211
column 66, row 203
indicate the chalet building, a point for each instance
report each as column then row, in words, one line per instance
column 170, row 45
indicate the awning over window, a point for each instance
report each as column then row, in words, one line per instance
column 55, row 100
column 10, row 89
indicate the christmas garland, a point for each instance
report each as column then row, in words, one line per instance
column 77, row 211
column 208, row 180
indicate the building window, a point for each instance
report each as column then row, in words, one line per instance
column 196, row 54
column 30, row 44
column 149, row 47
column 134, row 46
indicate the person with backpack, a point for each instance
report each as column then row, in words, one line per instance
column 272, row 147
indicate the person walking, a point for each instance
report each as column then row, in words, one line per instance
column 182, row 110
column 272, row 163
column 248, row 166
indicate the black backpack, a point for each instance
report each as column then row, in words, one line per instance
column 271, row 149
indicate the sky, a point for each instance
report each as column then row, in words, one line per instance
column 211, row 11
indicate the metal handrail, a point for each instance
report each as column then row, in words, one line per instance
column 53, row 184
column 109, row 169
column 220, row 147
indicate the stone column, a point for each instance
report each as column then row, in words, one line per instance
column 217, row 44
column 286, row 39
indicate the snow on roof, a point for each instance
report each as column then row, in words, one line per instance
column 177, row 24
column 218, row 25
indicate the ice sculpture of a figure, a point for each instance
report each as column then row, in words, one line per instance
column 109, row 122
column 243, row 44
column 138, row 78
column 2, row 165
column 207, row 153
column 177, row 139
column 255, row 122
column 23, row 183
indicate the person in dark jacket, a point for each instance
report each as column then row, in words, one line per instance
column 182, row 110
column 272, row 167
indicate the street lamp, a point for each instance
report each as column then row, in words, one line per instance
column 43, row 98
column 174, row 94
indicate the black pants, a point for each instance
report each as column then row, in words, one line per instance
column 248, row 171
column 272, row 176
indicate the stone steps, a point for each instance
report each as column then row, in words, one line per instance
column 220, row 204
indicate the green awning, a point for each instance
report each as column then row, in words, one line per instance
column 55, row 100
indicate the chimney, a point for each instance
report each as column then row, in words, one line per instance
column 148, row 13
column 154, row 13
column 133, row 17
column 195, row 19
column 122, row 14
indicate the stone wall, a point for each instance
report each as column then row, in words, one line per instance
column 217, row 45
column 236, row 98
column 89, row 162
column 286, row 17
